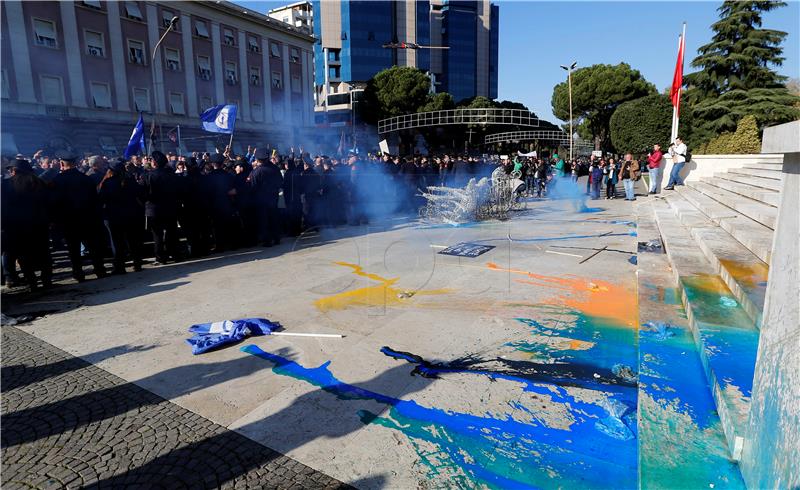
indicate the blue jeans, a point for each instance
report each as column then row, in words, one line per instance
column 629, row 183
column 675, row 175
column 655, row 179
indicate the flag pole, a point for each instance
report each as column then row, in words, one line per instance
column 179, row 140
column 675, row 107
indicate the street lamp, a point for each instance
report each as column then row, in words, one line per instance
column 173, row 23
column 569, row 83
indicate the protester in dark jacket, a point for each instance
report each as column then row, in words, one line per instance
column 162, row 190
column 25, row 223
column 265, row 185
column 122, row 200
column 78, row 212
column 221, row 192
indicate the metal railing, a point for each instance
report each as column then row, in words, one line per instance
column 517, row 117
column 510, row 136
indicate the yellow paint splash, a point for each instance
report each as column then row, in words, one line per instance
column 382, row 294
column 749, row 274
column 594, row 298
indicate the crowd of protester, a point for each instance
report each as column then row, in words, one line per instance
column 194, row 205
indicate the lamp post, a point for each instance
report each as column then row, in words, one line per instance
column 569, row 84
column 172, row 24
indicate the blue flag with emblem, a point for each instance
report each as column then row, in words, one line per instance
column 136, row 143
column 219, row 119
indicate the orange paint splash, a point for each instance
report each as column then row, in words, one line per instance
column 596, row 298
column 751, row 275
column 382, row 294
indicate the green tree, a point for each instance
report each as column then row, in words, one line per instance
column 736, row 75
column 438, row 102
column 639, row 124
column 596, row 92
column 393, row 92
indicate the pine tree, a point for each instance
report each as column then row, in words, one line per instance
column 737, row 76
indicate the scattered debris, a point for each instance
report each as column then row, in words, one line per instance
column 405, row 294
column 624, row 372
column 652, row 246
column 466, row 249
column 563, row 253
column 589, row 257
column 659, row 330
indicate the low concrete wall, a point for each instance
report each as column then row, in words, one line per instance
column 706, row 165
column 771, row 449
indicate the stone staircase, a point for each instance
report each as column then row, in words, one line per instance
column 717, row 234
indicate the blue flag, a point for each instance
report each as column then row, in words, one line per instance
column 136, row 143
column 219, row 119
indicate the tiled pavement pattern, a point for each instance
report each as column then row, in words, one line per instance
column 69, row 424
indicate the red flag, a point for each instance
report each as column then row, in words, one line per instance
column 677, row 79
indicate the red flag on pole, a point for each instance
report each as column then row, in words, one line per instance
column 677, row 78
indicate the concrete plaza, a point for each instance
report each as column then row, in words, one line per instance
column 516, row 367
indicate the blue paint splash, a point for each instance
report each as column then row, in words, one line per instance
column 498, row 452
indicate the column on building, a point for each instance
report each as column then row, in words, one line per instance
column 190, row 71
column 244, row 78
column 157, row 67
column 219, row 74
column 72, row 49
column 20, row 55
column 117, row 50
column 483, row 46
column 287, row 82
column 267, row 81
column 308, row 89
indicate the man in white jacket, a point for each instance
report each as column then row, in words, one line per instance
column 678, row 152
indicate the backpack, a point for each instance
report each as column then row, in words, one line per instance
column 635, row 170
column 688, row 155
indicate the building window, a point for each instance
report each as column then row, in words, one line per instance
column 200, row 29
column 333, row 55
column 176, row 103
column 205, row 103
column 257, row 112
column 255, row 75
column 173, row 59
column 227, row 37
column 136, row 52
column 5, row 88
column 204, row 67
column 166, row 19
column 344, row 36
column 252, row 44
column 276, row 80
column 94, row 4
column 230, row 72
column 371, row 36
column 94, row 44
column 274, row 50
column 101, row 95
column 286, row 20
column 141, row 99
column 295, row 55
column 52, row 91
column 132, row 11
column 297, row 87
column 44, row 32
column 333, row 72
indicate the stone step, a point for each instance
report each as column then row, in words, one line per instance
column 766, row 173
column 757, row 211
column 753, row 235
column 759, row 194
column 743, row 272
column 726, row 337
column 764, row 165
column 681, row 441
column 758, row 182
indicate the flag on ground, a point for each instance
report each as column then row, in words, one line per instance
column 219, row 119
column 136, row 142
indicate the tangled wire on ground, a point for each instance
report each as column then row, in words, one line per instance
column 488, row 198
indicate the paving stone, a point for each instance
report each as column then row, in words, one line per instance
column 69, row 424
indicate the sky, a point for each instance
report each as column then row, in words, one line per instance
column 537, row 36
